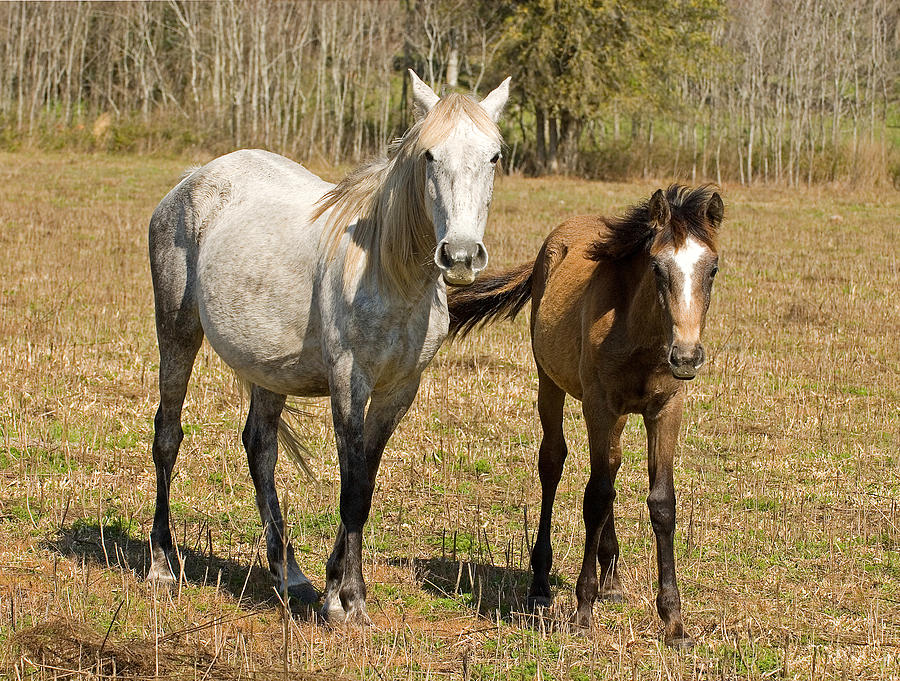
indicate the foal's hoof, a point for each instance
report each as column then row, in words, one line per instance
column 539, row 602
column 304, row 592
column 680, row 642
column 581, row 619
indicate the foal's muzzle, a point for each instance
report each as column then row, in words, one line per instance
column 685, row 361
column 460, row 261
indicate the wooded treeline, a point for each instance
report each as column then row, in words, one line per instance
column 759, row 90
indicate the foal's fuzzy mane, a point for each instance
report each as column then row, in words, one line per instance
column 634, row 231
column 382, row 201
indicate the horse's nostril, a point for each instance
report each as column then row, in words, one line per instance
column 443, row 257
column 673, row 355
column 480, row 260
column 699, row 357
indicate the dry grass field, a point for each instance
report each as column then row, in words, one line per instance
column 788, row 472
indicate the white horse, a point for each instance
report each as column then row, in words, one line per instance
column 311, row 289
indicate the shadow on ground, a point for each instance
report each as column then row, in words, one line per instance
column 486, row 589
column 111, row 547
column 483, row 588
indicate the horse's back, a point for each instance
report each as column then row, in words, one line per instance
column 234, row 244
column 252, row 180
column 249, row 181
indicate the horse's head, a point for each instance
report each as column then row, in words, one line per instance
column 684, row 262
column 460, row 147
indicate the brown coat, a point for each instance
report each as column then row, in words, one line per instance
column 618, row 307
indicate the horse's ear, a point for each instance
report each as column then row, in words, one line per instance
column 496, row 100
column 659, row 210
column 424, row 98
column 715, row 210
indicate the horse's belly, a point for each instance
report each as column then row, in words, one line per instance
column 256, row 308
column 556, row 341
column 558, row 354
column 268, row 353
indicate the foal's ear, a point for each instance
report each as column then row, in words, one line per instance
column 659, row 209
column 424, row 98
column 715, row 210
column 496, row 100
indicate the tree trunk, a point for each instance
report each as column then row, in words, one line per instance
column 453, row 61
column 553, row 147
column 539, row 125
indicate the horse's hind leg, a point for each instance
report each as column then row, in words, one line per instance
column 179, row 340
column 551, row 458
column 608, row 550
column 260, row 439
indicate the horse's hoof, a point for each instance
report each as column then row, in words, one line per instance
column 332, row 612
column 611, row 597
column 539, row 602
column 581, row 619
column 161, row 577
column 682, row 642
column 357, row 616
column 304, row 592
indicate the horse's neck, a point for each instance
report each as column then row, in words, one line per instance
column 424, row 282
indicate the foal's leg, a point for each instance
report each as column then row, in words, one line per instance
column 260, row 439
column 384, row 413
column 608, row 551
column 551, row 457
column 598, row 499
column 662, row 433
column 179, row 337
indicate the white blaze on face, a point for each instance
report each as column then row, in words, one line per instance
column 686, row 259
column 460, row 183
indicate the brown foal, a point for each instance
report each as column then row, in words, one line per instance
column 618, row 307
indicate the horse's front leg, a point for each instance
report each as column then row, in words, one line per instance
column 260, row 438
column 599, row 495
column 662, row 434
column 384, row 413
column 345, row 590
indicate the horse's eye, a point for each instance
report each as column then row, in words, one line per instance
column 496, row 157
column 657, row 269
column 429, row 156
column 713, row 271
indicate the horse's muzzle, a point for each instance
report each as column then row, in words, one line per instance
column 686, row 361
column 460, row 262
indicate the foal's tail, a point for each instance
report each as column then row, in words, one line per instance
column 491, row 297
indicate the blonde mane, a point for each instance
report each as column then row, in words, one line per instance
column 382, row 203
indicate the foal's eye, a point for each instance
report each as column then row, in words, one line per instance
column 496, row 157
column 713, row 271
column 657, row 269
column 429, row 156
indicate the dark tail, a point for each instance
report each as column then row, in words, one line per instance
column 490, row 297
